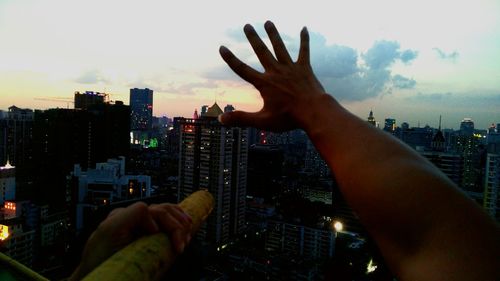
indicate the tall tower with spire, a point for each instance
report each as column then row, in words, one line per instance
column 371, row 119
column 451, row 164
column 438, row 142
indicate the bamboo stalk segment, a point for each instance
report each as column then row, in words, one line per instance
column 19, row 270
column 150, row 257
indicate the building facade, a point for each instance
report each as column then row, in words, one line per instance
column 103, row 186
column 214, row 157
column 141, row 114
column 300, row 240
column 7, row 183
column 491, row 202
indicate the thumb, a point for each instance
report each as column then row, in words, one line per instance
column 242, row 119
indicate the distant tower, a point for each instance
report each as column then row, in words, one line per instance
column 438, row 142
column 214, row 157
column 204, row 109
column 467, row 127
column 371, row 119
column 229, row 108
column 195, row 114
column 390, row 125
column 141, row 109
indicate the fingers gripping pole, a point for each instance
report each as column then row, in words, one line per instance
column 150, row 257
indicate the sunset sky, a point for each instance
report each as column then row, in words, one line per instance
column 410, row 60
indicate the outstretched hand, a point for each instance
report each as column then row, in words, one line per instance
column 124, row 225
column 285, row 86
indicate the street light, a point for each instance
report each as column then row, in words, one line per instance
column 338, row 226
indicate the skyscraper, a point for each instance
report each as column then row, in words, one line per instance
column 64, row 137
column 7, row 183
column 89, row 98
column 214, row 157
column 141, row 116
column 467, row 127
column 491, row 201
column 390, row 125
column 141, row 109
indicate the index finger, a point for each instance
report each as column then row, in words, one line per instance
column 243, row 70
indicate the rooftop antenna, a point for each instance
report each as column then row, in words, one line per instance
column 440, row 122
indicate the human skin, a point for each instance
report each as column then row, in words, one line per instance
column 124, row 225
column 425, row 227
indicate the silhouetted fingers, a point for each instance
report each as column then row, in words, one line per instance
column 265, row 57
column 304, row 48
column 243, row 70
column 170, row 224
column 279, row 47
column 242, row 119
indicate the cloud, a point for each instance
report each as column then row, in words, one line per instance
column 91, row 77
column 453, row 56
column 343, row 71
column 408, row 55
column 354, row 77
column 382, row 54
column 402, row 82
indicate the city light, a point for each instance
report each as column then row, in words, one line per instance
column 338, row 226
column 4, row 232
column 10, row 206
column 371, row 267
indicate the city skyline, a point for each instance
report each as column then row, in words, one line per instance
column 405, row 61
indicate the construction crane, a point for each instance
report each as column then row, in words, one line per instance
column 57, row 99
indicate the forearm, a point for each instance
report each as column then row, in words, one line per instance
column 402, row 199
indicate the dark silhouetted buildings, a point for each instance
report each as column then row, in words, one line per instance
column 64, row 137
column 88, row 99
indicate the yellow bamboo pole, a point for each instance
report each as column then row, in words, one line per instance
column 19, row 270
column 150, row 257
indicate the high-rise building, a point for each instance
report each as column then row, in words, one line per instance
column 7, row 183
column 265, row 171
column 390, row 125
column 141, row 109
column 16, row 144
column 65, row 137
column 16, row 136
column 88, row 98
column 491, row 202
column 141, row 116
column 300, row 240
column 314, row 163
column 472, row 151
column 467, row 127
column 214, row 157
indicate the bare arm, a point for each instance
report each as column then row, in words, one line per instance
column 425, row 228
